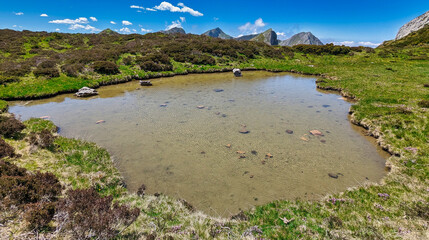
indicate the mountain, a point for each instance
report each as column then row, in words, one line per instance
column 269, row 37
column 417, row 38
column 414, row 25
column 108, row 31
column 174, row 31
column 301, row 38
column 246, row 37
column 217, row 33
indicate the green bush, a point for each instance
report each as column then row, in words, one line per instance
column 105, row 67
column 72, row 70
column 46, row 72
column 43, row 139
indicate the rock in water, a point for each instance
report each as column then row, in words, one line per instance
column 237, row 72
column 333, row 175
column 414, row 25
column 145, row 83
column 86, row 92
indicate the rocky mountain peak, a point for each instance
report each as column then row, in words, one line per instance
column 414, row 25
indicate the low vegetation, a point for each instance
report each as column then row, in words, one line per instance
column 390, row 85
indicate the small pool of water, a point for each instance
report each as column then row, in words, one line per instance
column 181, row 137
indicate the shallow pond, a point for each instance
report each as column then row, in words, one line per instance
column 181, row 137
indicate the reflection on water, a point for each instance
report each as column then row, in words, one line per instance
column 181, row 137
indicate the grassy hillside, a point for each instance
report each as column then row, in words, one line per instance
column 391, row 86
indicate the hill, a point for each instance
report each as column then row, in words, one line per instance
column 413, row 25
column 174, row 31
column 217, row 33
column 269, row 37
column 306, row 38
column 417, row 38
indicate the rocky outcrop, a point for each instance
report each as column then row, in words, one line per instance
column 414, row 25
column 86, row 92
column 175, row 30
column 269, row 37
column 217, row 33
column 301, row 38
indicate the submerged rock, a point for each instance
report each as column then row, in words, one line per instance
column 289, row 131
column 316, row 133
column 218, row 90
column 86, row 92
column 333, row 175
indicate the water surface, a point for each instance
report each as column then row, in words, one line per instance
column 173, row 137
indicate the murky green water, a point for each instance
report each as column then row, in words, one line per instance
column 160, row 137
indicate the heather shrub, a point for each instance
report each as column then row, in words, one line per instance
column 17, row 187
column 39, row 215
column 105, row 67
column 46, row 72
column 43, row 139
column 72, row 70
column 6, row 150
column 10, row 126
column 88, row 215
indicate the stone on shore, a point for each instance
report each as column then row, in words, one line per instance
column 86, row 92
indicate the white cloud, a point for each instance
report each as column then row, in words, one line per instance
column 93, row 19
column 79, row 26
column 215, row 19
column 177, row 23
column 44, row 15
column 281, row 35
column 125, row 30
column 19, row 13
column 134, row 30
column 174, row 24
column 126, row 23
column 146, row 30
column 151, row 9
column 252, row 28
column 356, row 44
column 112, row 22
column 57, row 30
column 136, row 7
column 81, row 20
column 166, row 6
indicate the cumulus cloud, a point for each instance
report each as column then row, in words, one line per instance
column 166, row 6
column 57, row 30
column 19, row 13
column 142, row 8
column 87, row 27
column 81, row 20
column 176, row 24
column 126, row 23
column 356, row 44
column 112, row 22
column 146, row 30
column 44, row 15
column 93, row 19
column 125, row 30
column 250, row 28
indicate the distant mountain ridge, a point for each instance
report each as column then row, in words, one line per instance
column 269, row 37
column 174, row 31
column 301, row 38
column 246, row 37
column 217, row 33
column 413, row 25
column 108, row 31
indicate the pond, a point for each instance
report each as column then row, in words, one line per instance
column 219, row 142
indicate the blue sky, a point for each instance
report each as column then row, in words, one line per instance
column 364, row 21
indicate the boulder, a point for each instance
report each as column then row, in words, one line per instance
column 237, row 72
column 145, row 83
column 86, row 92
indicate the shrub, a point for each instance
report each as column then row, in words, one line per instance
column 424, row 103
column 44, row 139
column 155, row 67
column 8, row 79
column 128, row 61
column 105, row 67
column 90, row 215
column 48, row 64
column 17, row 187
column 46, row 72
column 39, row 215
column 6, row 150
column 10, row 126
column 72, row 70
